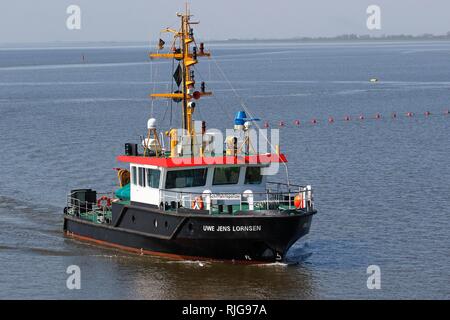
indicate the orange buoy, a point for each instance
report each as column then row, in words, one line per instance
column 266, row 124
column 297, row 122
column 409, row 114
column 394, row 115
column 427, row 113
column 330, row 120
column 281, row 124
column 313, row 121
column 299, row 201
column 347, row 118
column 197, row 203
column 378, row 116
column 361, row 117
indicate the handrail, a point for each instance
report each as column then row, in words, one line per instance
column 174, row 200
column 284, row 184
column 264, row 192
column 79, row 205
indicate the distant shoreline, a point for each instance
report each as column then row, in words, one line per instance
column 306, row 40
column 349, row 38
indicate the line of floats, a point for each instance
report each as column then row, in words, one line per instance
column 377, row 116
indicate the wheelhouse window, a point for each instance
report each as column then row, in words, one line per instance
column 133, row 175
column 226, row 175
column 153, row 177
column 141, row 176
column 186, row 178
column 253, row 175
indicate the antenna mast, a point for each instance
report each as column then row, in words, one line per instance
column 184, row 76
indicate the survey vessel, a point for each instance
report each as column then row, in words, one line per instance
column 203, row 196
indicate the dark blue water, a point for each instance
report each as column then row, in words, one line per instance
column 382, row 186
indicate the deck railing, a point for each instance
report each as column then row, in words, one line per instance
column 89, row 210
column 278, row 197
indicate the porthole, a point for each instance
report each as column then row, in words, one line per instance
column 191, row 227
column 133, row 218
column 166, row 224
column 155, row 222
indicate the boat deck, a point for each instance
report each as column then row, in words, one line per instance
column 104, row 215
column 278, row 200
column 97, row 216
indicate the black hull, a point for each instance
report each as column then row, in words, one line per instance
column 148, row 230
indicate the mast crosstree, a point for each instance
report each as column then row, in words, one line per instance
column 184, row 76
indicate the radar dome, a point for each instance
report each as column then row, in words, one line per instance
column 151, row 123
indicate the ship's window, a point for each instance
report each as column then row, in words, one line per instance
column 133, row 175
column 141, row 177
column 253, row 175
column 153, row 178
column 227, row 175
column 186, row 178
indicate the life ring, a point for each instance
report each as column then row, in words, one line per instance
column 299, row 201
column 100, row 202
column 197, row 203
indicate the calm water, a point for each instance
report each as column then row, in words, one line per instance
column 382, row 186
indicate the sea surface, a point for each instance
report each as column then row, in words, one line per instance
column 382, row 186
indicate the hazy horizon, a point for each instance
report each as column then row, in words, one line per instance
column 24, row 21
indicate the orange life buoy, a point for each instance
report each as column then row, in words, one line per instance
column 299, row 201
column 101, row 200
column 198, row 203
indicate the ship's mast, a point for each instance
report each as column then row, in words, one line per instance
column 181, row 51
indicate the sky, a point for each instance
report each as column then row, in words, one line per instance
column 25, row 21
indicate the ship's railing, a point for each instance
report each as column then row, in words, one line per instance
column 277, row 187
column 227, row 202
column 100, row 212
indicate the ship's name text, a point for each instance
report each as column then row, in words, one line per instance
column 209, row 228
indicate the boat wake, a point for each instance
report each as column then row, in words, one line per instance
column 190, row 262
column 29, row 229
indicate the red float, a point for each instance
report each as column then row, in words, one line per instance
column 196, row 95
column 299, row 201
column 104, row 202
